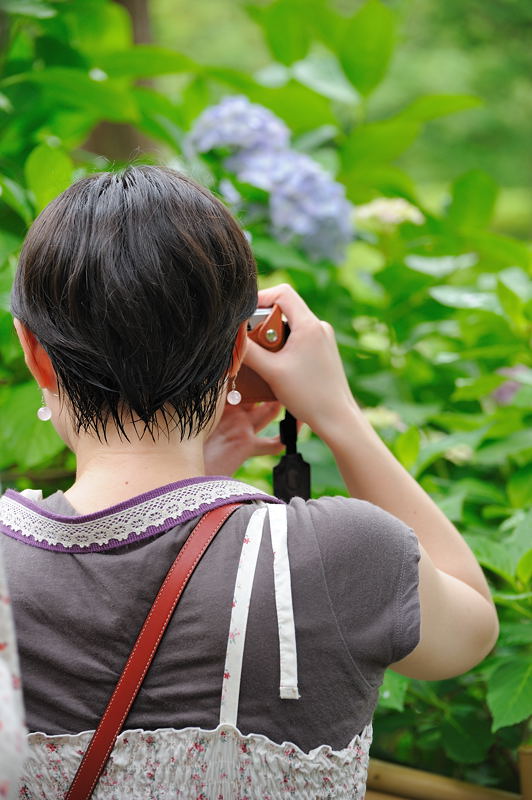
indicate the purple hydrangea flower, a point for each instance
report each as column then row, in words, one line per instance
column 504, row 394
column 307, row 207
column 237, row 123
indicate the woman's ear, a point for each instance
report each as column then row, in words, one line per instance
column 36, row 357
column 239, row 349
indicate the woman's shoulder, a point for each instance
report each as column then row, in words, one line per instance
column 369, row 560
column 350, row 521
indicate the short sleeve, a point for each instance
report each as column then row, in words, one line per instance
column 12, row 730
column 370, row 561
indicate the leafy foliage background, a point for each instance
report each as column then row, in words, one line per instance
column 426, row 313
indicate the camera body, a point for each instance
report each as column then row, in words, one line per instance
column 267, row 328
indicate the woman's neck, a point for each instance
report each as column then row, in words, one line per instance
column 111, row 472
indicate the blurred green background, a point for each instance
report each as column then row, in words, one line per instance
column 422, row 107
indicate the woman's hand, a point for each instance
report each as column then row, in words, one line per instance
column 307, row 375
column 235, row 438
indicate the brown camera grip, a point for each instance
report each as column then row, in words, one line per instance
column 270, row 334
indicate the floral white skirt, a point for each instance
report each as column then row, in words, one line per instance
column 193, row 764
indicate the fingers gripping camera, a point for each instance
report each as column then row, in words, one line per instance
column 268, row 329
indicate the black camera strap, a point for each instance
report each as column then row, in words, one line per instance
column 291, row 476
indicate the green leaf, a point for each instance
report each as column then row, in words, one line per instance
column 476, row 388
column 160, row 118
column 28, row 8
column 499, row 249
column 368, row 45
column 461, row 297
column 393, row 690
column 492, row 555
column 415, row 413
column 9, row 243
column 495, row 454
column 56, row 53
column 365, row 180
column 322, row 73
column 480, row 491
column 518, row 282
column 326, row 478
column 519, row 488
column 511, row 304
column 510, row 692
column 443, row 446
column 5, row 104
column 524, row 571
column 452, row 505
column 441, row 266
column 74, row 88
column 473, row 200
column 431, row 106
column 466, row 739
column 300, row 107
column 48, row 173
column 515, row 633
column 279, row 256
column 378, row 141
column 519, row 543
column 98, row 27
column 406, row 447
column 14, row 195
column 144, row 61
column 285, row 28
column 24, row 439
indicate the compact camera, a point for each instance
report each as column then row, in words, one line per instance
column 291, row 476
column 268, row 328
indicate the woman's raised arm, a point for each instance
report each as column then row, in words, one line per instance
column 458, row 620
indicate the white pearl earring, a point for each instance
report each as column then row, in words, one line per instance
column 44, row 412
column 234, row 397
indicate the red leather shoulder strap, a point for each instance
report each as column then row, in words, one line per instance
column 144, row 650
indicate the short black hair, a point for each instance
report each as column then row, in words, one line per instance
column 135, row 284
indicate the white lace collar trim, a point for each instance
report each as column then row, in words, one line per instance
column 141, row 517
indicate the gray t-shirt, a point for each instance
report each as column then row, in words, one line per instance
column 354, row 586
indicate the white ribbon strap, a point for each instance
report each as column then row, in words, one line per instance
column 288, row 689
column 239, row 617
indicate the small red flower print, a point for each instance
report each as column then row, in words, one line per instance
column 233, row 604
column 244, row 748
column 16, row 682
column 150, row 775
column 227, row 675
column 3, row 646
column 51, row 746
column 246, row 540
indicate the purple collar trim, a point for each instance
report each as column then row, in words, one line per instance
column 130, row 521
